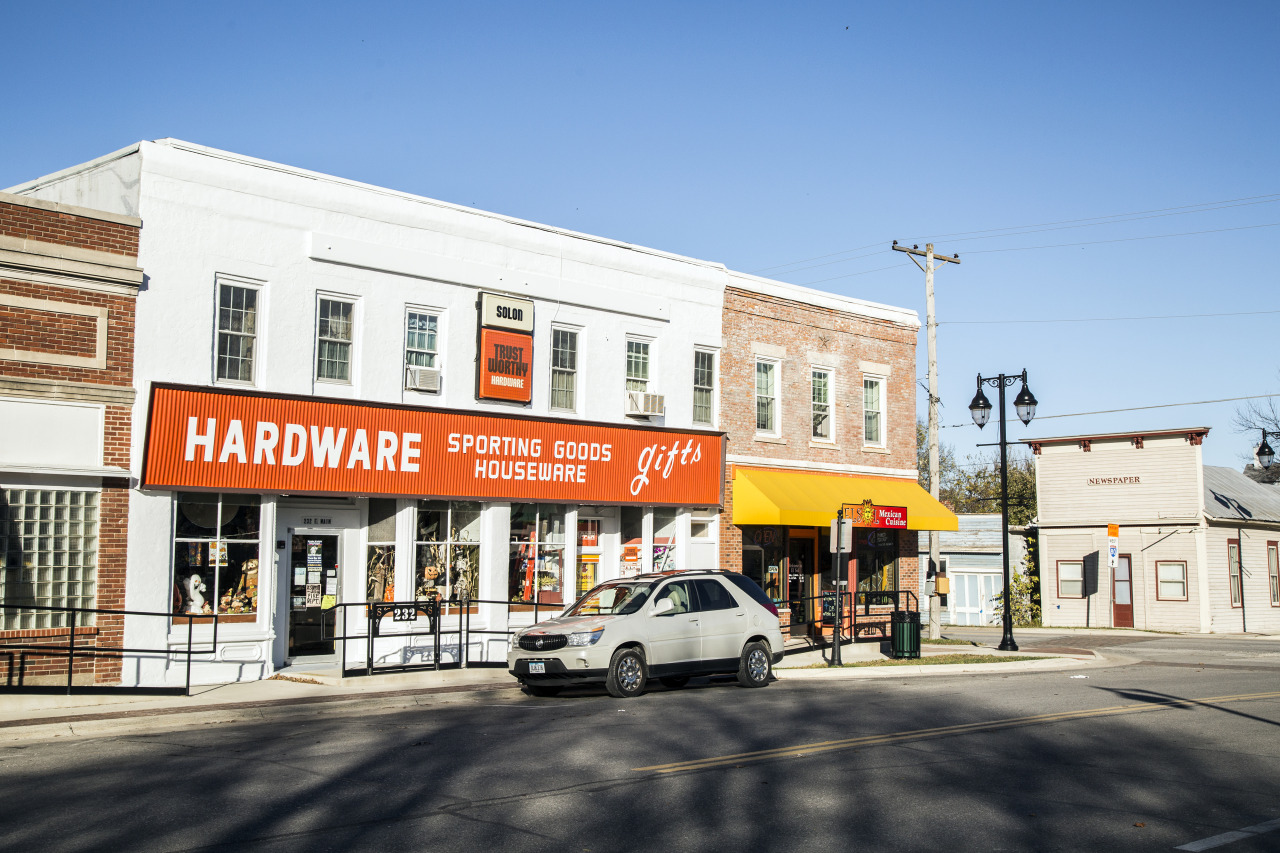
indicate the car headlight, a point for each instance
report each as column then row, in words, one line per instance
column 512, row 639
column 586, row 638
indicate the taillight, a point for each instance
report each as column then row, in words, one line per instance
column 773, row 608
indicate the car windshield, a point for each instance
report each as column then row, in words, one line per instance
column 616, row 597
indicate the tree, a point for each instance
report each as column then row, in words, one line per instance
column 1252, row 417
column 974, row 486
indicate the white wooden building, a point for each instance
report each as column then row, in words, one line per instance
column 1197, row 546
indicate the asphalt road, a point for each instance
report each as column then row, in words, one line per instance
column 1181, row 746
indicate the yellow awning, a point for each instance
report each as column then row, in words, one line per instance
column 803, row 499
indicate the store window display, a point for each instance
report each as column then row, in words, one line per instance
column 877, row 552
column 215, row 555
column 664, row 540
column 448, row 550
column 536, row 566
column 380, row 561
column 763, row 557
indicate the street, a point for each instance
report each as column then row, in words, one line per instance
column 1176, row 746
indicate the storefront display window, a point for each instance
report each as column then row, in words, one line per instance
column 380, row 559
column 48, row 554
column 632, row 562
column 537, row 553
column 877, row 552
column 763, row 553
column 664, row 540
column 215, row 554
column 448, row 550
column 588, row 553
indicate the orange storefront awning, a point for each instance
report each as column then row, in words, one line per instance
column 804, row 499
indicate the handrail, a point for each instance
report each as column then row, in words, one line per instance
column 72, row 652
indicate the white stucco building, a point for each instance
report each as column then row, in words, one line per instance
column 272, row 287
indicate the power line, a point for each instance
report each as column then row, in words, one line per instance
column 849, row 275
column 1137, row 216
column 1123, row 239
column 1140, row 408
column 1181, row 210
column 1107, row 319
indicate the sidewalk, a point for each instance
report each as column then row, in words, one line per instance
column 47, row 716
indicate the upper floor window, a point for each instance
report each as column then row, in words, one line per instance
column 421, row 339
column 704, row 381
column 637, row 365
column 237, row 331
column 873, row 410
column 564, row 369
column 767, row 396
column 821, row 394
column 334, row 334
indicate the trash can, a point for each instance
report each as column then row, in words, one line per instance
column 904, row 634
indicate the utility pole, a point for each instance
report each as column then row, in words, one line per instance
column 935, row 606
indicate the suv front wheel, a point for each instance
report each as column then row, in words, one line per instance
column 627, row 674
column 756, row 666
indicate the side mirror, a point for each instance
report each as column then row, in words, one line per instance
column 663, row 607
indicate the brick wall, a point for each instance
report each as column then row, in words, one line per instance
column 814, row 336
column 35, row 330
column 51, row 331
column 67, row 229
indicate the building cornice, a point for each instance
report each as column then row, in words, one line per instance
column 54, row 389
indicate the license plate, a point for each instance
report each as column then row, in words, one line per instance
column 537, row 668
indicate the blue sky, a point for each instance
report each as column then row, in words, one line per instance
column 764, row 134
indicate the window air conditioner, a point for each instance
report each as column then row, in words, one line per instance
column 422, row 379
column 641, row 404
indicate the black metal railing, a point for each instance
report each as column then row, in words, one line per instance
column 435, row 612
column 72, row 651
column 814, row 613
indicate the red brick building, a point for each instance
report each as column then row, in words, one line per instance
column 69, row 280
column 818, row 399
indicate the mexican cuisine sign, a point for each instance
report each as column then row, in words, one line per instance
column 868, row 514
column 203, row 438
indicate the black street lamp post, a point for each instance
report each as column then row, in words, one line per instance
column 1025, row 405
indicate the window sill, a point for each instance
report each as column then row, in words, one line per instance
column 771, row 439
column 823, row 445
column 875, row 448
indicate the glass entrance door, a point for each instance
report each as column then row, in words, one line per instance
column 800, row 575
column 313, row 567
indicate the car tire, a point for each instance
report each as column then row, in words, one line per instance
column 755, row 668
column 543, row 690
column 675, row 682
column 627, row 674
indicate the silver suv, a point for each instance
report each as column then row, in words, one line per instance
column 670, row 626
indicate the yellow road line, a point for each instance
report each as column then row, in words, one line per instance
column 944, row 731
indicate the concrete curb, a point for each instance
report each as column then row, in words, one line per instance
column 1050, row 664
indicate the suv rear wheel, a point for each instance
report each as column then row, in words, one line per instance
column 756, row 666
column 627, row 674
